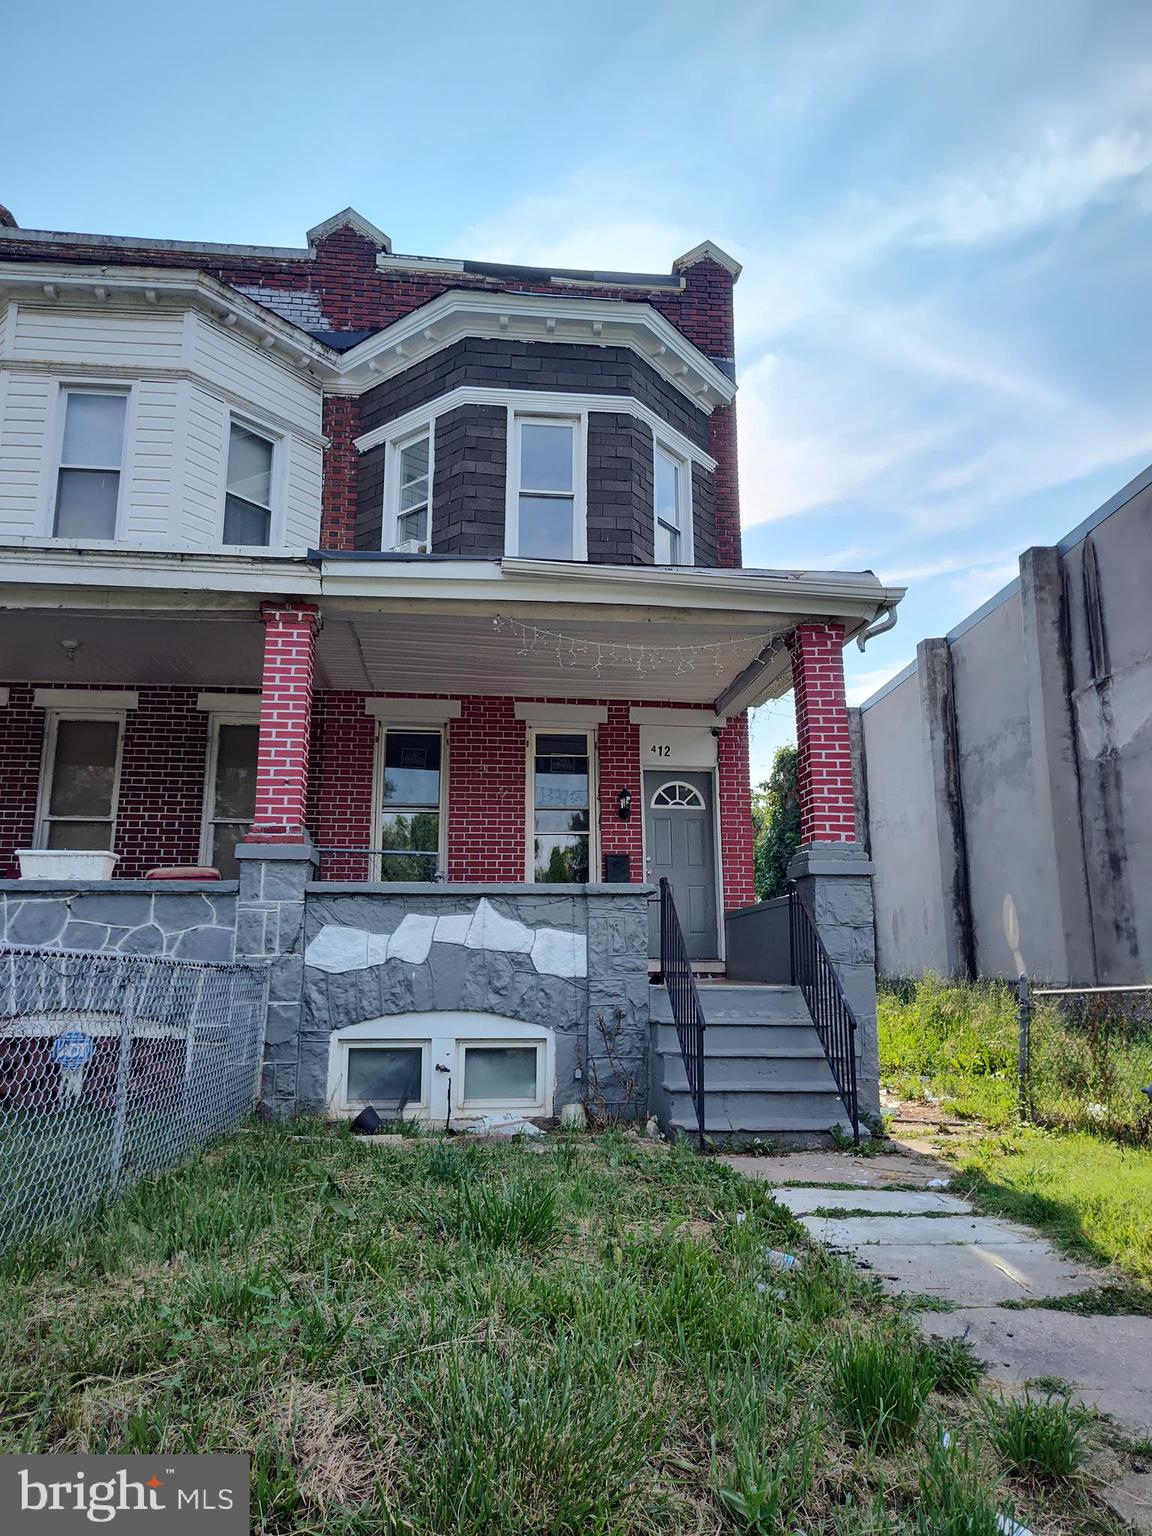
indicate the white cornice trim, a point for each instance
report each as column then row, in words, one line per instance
column 534, row 400
column 401, row 711
column 640, row 714
column 536, row 317
column 49, row 283
column 85, row 698
column 708, row 250
column 561, row 714
column 350, row 219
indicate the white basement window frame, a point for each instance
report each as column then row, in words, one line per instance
column 210, row 820
column 247, row 494
column 47, row 818
column 408, row 492
column 346, row 1100
column 383, row 809
column 88, row 454
column 543, row 820
column 539, row 479
column 671, row 507
column 471, row 1052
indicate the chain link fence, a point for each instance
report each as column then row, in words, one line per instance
column 1085, row 1059
column 113, row 1067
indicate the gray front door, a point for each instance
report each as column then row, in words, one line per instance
column 678, row 834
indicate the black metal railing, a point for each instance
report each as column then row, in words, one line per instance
column 676, row 972
column 815, row 975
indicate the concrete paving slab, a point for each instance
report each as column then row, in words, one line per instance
column 1105, row 1358
column 840, row 1168
column 867, row 1231
column 977, row 1276
column 882, row 1202
column 1131, row 1498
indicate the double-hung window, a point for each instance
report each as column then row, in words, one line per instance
column 561, row 807
column 80, row 781
column 546, row 500
column 230, row 792
column 413, row 489
column 672, row 479
column 410, row 809
column 91, row 459
column 248, row 500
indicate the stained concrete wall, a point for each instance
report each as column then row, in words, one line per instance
column 1008, row 774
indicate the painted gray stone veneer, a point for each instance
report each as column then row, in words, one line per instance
column 181, row 919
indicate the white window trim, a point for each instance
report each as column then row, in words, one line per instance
column 58, row 410
column 534, row 1106
column 560, row 728
column 390, row 526
column 216, row 719
column 432, row 728
column 338, row 1071
column 44, row 820
column 578, row 421
column 660, row 445
column 277, row 487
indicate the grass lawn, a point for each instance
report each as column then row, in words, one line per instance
column 956, row 1044
column 448, row 1339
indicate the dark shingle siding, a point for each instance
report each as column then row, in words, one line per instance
column 468, row 481
column 620, row 489
column 703, row 515
column 370, row 499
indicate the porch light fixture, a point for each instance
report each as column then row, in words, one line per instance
column 624, row 804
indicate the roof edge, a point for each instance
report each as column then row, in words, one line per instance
column 708, row 250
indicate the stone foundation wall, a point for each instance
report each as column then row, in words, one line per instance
column 183, row 920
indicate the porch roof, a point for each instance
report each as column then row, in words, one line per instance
column 530, row 628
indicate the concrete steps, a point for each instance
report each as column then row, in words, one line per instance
column 765, row 1072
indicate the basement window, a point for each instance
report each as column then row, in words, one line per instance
column 387, row 1075
column 502, row 1074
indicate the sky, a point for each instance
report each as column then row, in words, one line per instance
column 944, row 212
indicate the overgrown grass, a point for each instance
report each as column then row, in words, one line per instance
column 956, row 1044
column 580, row 1336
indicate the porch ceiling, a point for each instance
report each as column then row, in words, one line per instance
column 549, row 654
column 124, row 648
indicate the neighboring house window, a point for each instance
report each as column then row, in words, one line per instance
column 230, row 791
column 410, row 494
column 91, row 458
column 248, row 502
column 80, row 781
column 673, row 478
column 544, row 521
column 410, row 809
column 561, row 807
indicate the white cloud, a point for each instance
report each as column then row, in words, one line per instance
column 859, row 686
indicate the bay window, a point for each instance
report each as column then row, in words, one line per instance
column 544, row 505
column 91, row 461
column 410, row 490
column 672, row 481
column 248, row 499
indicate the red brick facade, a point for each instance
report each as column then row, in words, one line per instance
column 285, row 724
column 827, row 805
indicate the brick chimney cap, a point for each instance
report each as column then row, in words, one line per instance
column 349, row 218
column 708, row 250
column 7, row 218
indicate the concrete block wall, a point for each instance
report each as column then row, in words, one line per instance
column 1008, row 773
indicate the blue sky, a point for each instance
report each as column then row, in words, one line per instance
column 944, row 212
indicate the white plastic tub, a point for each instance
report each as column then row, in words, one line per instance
column 66, row 864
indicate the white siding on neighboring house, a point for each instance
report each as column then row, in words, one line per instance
column 188, row 378
column 97, row 337
column 23, row 432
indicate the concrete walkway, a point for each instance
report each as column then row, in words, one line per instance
column 894, row 1215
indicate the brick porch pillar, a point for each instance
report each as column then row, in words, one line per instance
column 285, row 724
column 831, row 871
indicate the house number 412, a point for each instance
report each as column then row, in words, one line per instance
column 660, row 749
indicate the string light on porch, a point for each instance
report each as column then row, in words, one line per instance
column 597, row 656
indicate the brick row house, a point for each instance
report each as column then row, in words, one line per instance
column 402, row 597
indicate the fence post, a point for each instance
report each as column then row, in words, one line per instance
column 1024, row 1058
column 123, row 1077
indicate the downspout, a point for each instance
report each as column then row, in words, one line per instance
column 885, row 620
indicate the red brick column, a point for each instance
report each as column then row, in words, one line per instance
column 827, row 810
column 285, row 724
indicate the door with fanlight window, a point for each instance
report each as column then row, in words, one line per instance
column 679, row 838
